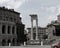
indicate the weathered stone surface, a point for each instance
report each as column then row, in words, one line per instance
column 29, row 46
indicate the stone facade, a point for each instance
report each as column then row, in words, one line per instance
column 8, row 26
column 53, row 30
column 50, row 30
column 41, row 33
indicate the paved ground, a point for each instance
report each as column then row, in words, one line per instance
column 30, row 46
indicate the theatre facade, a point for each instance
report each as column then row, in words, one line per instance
column 11, row 27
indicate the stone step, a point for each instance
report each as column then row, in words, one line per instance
column 33, row 42
column 28, row 46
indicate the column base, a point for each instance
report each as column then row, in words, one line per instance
column 37, row 39
column 33, row 42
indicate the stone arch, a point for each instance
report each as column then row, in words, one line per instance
column 3, row 29
column 9, row 41
column 3, row 42
column 13, row 30
column 13, row 41
column 9, row 29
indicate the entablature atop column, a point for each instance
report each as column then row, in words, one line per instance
column 33, row 16
column 7, row 22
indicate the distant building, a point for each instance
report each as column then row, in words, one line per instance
column 41, row 33
column 53, row 29
column 11, row 27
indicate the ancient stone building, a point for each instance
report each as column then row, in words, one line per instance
column 35, row 34
column 11, row 27
column 53, row 30
column 41, row 33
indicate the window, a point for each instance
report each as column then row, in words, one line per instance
column 3, row 29
column 11, row 19
column 6, row 18
column 3, row 42
column 15, row 20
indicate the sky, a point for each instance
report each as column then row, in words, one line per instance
column 46, row 10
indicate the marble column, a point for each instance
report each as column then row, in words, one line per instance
column 6, row 42
column 36, row 29
column 31, row 29
column 1, row 28
column 6, row 29
column 15, row 29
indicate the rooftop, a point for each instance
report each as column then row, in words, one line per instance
column 11, row 10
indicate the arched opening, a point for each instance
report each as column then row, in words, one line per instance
column 13, row 41
column 3, row 29
column 13, row 29
column 9, row 41
column 3, row 42
column 8, row 29
column 57, row 29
